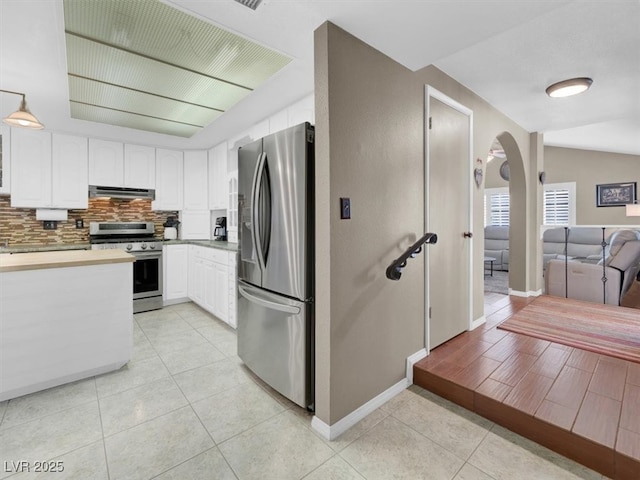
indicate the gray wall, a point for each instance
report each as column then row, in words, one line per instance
column 588, row 168
column 370, row 147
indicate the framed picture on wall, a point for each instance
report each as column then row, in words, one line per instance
column 615, row 194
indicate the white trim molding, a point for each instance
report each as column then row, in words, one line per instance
column 477, row 322
column 331, row 432
column 517, row 293
column 411, row 361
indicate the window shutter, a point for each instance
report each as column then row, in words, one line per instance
column 556, row 207
column 499, row 209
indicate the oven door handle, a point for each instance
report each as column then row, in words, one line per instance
column 146, row 255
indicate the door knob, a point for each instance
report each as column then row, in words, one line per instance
column 467, row 235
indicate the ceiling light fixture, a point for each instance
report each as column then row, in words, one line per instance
column 566, row 88
column 22, row 117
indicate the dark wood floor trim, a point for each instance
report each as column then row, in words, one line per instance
column 577, row 403
column 598, row 457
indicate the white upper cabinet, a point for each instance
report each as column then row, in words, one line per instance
column 113, row 164
column 139, row 166
column 169, row 180
column 106, row 163
column 31, row 168
column 196, row 195
column 302, row 111
column 49, row 171
column 70, row 172
column 218, row 194
column 5, row 159
column 278, row 122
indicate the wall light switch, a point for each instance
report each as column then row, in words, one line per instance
column 345, row 208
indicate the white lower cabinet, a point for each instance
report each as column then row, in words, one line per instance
column 175, row 261
column 209, row 281
column 233, row 291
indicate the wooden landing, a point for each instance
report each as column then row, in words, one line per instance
column 580, row 404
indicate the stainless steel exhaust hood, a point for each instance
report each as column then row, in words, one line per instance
column 96, row 191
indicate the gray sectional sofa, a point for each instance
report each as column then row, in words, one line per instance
column 580, row 277
column 496, row 245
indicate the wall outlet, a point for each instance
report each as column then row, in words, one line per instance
column 50, row 224
column 79, row 223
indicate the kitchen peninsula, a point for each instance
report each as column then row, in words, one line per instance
column 64, row 316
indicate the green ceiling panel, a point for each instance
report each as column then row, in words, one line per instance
column 186, row 65
column 118, row 98
column 129, row 120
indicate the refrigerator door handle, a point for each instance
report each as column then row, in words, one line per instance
column 267, row 303
column 255, row 206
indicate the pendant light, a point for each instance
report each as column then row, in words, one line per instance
column 22, row 117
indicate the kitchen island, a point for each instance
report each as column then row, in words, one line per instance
column 64, row 316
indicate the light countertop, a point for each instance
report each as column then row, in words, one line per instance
column 231, row 247
column 13, row 262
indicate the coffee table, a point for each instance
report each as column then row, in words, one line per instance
column 490, row 261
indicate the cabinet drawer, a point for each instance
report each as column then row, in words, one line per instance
column 212, row 254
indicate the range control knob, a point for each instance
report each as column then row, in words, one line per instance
column 129, row 246
column 152, row 246
column 143, row 246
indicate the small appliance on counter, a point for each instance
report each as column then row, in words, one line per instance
column 171, row 228
column 220, row 230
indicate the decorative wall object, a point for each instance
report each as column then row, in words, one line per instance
column 504, row 170
column 478, row 173
column 616, row 194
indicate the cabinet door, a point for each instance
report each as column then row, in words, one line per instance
column 233, row 291
column 302, row 111
column 31, row 168
column 139, row 166
column 5, row 159
column 106, row 163
column 196, row 195
column 210, row 287
column 70, row 172
column 176, row 258
column 218, row 177
column 196, row 225
column 169, row 175
column 221, row 292
column 232, row 210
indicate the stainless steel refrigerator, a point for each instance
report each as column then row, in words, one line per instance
column 275, row 270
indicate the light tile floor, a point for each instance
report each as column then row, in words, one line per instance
column 186, row 408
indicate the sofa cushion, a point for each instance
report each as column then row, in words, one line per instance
column 627, row 256
column 553, row 241
column 496, row 232
column 616, row 241
column 585, row 241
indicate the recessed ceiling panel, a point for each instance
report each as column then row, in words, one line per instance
column 130, row 120
column 100, row 62
column 148, row 46
column 119, row 98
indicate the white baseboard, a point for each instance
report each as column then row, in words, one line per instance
column 517, row 293
column 331, row 432
column 411, row 361
column 175, row 301
column 477, row 322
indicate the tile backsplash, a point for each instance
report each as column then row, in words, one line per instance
column 19, row 227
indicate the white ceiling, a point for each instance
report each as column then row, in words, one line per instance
column 506, row 51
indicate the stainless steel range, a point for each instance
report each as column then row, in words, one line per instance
column 136, row 238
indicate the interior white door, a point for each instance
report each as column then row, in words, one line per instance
column 448, row 215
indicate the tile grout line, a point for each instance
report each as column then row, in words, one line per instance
column 104, row 443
